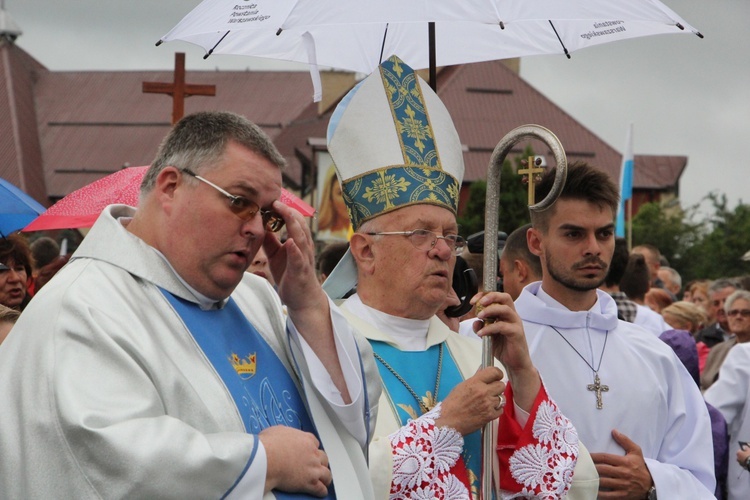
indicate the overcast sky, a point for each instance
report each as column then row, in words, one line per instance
column 685, row 96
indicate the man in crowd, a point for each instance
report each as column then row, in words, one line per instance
column 671, row 279
column 632, row 403
column 626, row 308
column 652, row 255
column 718, row 330
column 400, row 163
column 47, row 262
column 154, row 366
column 737, row 310
column 634, row 283
column 518, row 266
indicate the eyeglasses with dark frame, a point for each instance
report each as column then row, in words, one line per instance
column 745, row 313
column 242, row 207
column 423, row 239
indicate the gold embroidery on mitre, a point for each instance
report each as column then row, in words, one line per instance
column 245, row 368
column 415, row 128
column 397, row 67
column 385, row 188
column 453, row 191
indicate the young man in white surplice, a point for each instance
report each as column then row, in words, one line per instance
column 632, row 401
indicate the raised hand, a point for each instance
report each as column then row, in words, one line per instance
column 293, row 262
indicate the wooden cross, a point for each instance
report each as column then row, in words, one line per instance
column 598, row 388
column 178, row 89
column 531, row 172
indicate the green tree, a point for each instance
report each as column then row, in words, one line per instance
column 707, row 249
column 669, row 230
column 514, row 211
column 727, row 238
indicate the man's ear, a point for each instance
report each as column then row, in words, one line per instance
column 521, row 269
column 534, row 241
column 363, row 252
column 165, row 186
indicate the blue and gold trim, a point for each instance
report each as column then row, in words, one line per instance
column 409, row 114
column 421, row 178
column 387, row 189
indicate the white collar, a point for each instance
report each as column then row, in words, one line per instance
column 536, row 306
column 409, row 334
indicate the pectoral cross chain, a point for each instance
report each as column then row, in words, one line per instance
column 598, row 388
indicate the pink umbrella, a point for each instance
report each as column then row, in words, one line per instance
column 82, row 207
column 291, row 200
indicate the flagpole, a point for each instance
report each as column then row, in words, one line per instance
column 630, row 224
column 625, row 208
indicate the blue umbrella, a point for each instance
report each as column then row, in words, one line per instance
column 17, row 209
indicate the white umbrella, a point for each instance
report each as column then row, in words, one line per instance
column 357, row 35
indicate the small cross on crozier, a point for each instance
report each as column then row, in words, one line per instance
column 598, row 388
column 531, row 174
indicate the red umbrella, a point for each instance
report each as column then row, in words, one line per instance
column 291, row 200
column 82, row 207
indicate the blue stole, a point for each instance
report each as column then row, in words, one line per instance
column 261, row 387
column 419, row 369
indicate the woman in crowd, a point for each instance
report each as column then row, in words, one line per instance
column 15, row 271
column 697, row 293
column 683, row 315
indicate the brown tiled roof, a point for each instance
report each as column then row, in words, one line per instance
column 488, row 100
column 67, row 129
column 91, row 123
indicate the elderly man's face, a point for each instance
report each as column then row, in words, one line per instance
column 717, row 300
column 12, row 284
column 409, row 282
column 739, row 319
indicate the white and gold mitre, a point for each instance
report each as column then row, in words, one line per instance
column 394, row 144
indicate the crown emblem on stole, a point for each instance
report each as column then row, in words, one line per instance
column 245, row 367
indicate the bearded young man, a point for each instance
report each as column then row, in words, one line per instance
column 633, row 403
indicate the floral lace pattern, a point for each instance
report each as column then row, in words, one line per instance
column 423, row 456
column 545, row 469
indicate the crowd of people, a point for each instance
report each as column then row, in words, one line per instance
column 187, row 350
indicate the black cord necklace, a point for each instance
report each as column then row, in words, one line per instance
column 597, row 386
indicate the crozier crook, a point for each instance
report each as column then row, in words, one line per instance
column 492, row 209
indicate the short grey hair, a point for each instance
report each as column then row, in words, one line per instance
column 673, row 275
column 738, row 294
column 721, row 284
column 198, row 142
column 369, row 226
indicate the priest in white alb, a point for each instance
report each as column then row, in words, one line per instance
column 154, row 366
